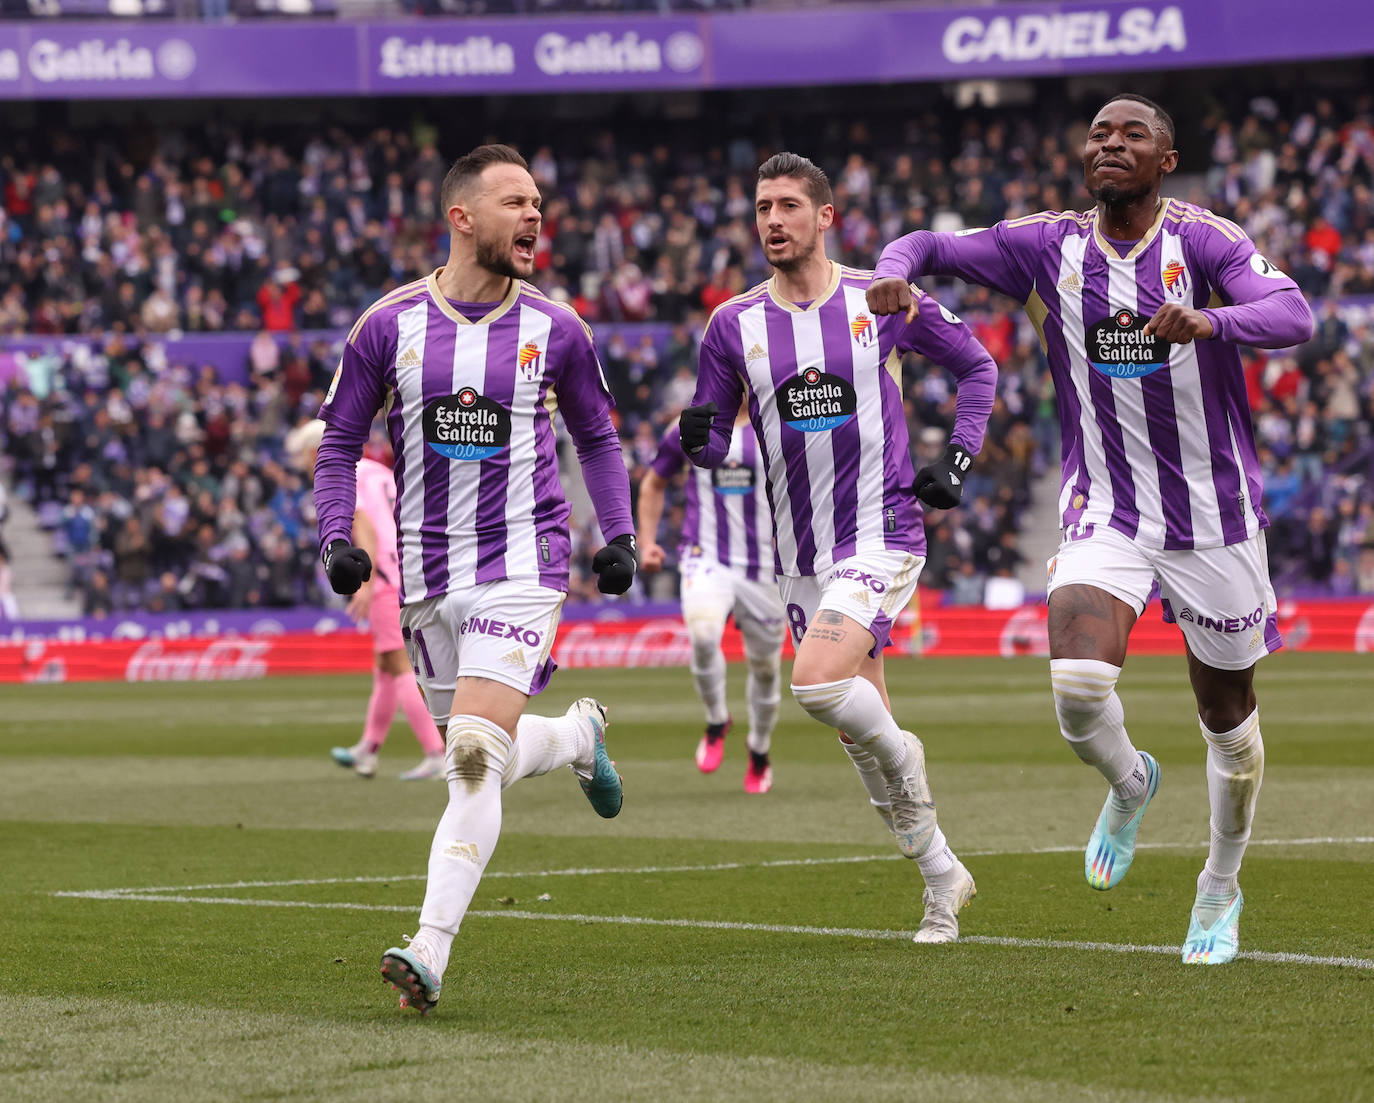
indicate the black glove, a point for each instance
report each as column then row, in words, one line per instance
column 615, row 565
column 941, row 484
column 347, row 567
column 695, row 425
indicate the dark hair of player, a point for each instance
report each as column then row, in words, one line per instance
column 469, row 167
column 1163, row 116
column 799, row 168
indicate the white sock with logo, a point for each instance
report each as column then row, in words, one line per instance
column 478, row 752
column 544, row 743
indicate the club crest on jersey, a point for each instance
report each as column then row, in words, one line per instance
column 531, row 361
column 732, row 477
column 816, row 401
column 1118, row 347
column 466, row 426
column 863, row 330
column 1175, row 279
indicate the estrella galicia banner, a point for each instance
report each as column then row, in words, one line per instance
column 836, row 44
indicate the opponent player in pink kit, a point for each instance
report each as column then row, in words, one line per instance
column 725, row 558
column 822, row 376
column 1140, row 304
column 469, row 363
column 378, row 602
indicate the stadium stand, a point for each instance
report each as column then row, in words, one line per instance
column 236, row 229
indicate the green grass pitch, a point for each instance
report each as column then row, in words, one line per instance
column 195, row 899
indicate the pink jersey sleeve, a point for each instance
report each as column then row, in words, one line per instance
column 377, row 500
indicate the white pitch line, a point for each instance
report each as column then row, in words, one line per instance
column 1132, row 948
column 728, row 925
column 243, row 901
column 715, row 867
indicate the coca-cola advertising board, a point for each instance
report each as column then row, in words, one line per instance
column 643, row 641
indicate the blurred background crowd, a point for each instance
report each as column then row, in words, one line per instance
column 163, row 482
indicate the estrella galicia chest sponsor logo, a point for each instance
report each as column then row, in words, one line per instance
column 816, row 401
column 1118, row 347
column 732, row 478
column 466, row 426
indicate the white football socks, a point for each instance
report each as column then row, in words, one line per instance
column 708, row 673
column 1092, row 721
column 763, row 691
column 871, row 774
column 1235, row 769
column 466, row 835
column 544, row 743
column 855, row 707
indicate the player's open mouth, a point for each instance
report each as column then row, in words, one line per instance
column 776, row 241
column 524, row 246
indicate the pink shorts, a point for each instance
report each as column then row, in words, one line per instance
column 385, row 619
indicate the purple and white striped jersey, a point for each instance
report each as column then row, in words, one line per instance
column 825, row 399
column 1157, row 438
column 469, row 409
column 727, row 517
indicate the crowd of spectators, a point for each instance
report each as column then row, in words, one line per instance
column 139, row 233
column 235, row 228
column 163, row 488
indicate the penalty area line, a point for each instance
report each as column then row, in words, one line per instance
column 713, row 867
column 729, row 925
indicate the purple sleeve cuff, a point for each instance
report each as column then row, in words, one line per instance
column 713, row 454
column 1277, row 321
column 608, row 484
column 336, row 482
column 977, row 387
column 904, row 258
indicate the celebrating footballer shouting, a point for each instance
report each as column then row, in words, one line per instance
column 1140, row 304
column 822, row 380
column 468, row 361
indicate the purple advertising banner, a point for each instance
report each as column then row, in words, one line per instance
column 841, row 44
column 81, row 60
column 535, row 55
column 262, row 622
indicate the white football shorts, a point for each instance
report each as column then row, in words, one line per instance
column 1221, row 598
column 871, row 588
column 502, row 630
column 711, row 591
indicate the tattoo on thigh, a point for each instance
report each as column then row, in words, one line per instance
column 1082, row 618
column 829, row 616
column 829, row 635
